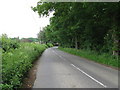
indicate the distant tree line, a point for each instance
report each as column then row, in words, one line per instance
column 29, row 39
column 82, row 25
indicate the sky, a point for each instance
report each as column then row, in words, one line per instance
column 17, row 18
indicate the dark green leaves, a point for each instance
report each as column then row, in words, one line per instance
column 83, row 24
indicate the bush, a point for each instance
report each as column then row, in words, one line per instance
column 49, row 44
column 8, row 44
column 17, row 62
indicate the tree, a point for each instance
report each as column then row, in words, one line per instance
column 82, row 25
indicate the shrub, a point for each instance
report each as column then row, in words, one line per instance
column 49, row 44
column 17, row 62
column 8, row 44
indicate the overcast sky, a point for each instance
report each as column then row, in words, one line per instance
column 17, row 18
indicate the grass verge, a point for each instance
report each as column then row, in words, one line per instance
column 103, row 58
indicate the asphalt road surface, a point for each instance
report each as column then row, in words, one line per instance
column 58, row 69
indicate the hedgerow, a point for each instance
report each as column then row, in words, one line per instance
column 8, row 44
column 16, row 62
column 49, row 44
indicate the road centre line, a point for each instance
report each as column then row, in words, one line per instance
column 89, row 76
column 59, row 56
column 83, row 72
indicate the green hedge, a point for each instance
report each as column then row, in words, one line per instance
column 8, row 44
column 49, row 44
column 17, row 62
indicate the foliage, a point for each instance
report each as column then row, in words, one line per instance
column 33, row 39
column 29, row 39
column 82, row 25
column 8, row 44
column 17, row 61
column 49, row 44
column 103, row 58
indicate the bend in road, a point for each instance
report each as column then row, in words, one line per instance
column 58, row 69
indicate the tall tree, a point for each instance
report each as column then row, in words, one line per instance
column 83, row 25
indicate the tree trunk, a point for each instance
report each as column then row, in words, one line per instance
column 76, row 43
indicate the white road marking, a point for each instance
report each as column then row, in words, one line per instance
column 54, row 51
column 89, row 76
column 83, row 71
column 62, row 57
column 59, row 56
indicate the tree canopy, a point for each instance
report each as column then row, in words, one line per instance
column 82, row 25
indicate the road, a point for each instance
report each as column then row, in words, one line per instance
column 58, row 69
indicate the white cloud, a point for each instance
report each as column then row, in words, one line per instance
column 17, row 18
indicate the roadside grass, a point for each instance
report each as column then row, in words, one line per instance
column 17, row 62
column 103, row 58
